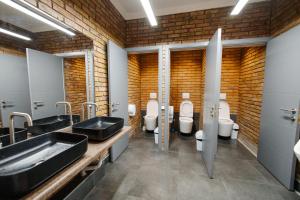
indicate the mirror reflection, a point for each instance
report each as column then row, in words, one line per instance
column 43, row 72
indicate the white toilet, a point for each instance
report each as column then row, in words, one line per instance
column 225, row 123
column 186, row 115
column 152, row 113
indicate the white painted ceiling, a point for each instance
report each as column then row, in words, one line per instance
column 19, row 19
column 132, row 9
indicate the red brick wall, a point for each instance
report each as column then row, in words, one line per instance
column 231, row 62
column 57, row 42
column 11, row 51
column 285, row 15
column 142, row 80
column 104, row 13
column 149, row 77
column 188, row 75
column 242, row 80
column 48, row 41
column 254, row 21
column 250, row 91
column 75, row 83
column 202, row 86
column 186, row 69
column 134, row 91
column 15, row 43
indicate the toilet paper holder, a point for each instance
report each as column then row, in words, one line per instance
column 131, row 110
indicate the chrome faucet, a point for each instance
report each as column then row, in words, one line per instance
column 69, row 108
column 11, row 124
column 90, row 104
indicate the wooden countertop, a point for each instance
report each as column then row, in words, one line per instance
column 54, row 184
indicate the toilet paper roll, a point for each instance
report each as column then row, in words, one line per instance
column 131, row 110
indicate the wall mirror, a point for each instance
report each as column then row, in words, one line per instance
column 40, row 66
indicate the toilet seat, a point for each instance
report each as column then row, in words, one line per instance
column 186, row 117
column 225, row 127
column 151, row 116
column 225, row 123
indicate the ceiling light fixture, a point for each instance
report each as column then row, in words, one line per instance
column 7, row 32
column 33, row 14
column 149, row 12
column 238, row 7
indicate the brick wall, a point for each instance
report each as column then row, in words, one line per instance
column 186, row 69
column 149, row 77
column 202, row 87
column 254, row 21
column 134, row 91
column 14, row 43
column 58, row 42
column 260, row 19
column 11, row 51
column 231, row 61
column 285, row 15
column 250, row 91
column 142, row 80
column 103, row 13
column 48, row 41
column 242, row 80
column 75, row 83
column 188, row 75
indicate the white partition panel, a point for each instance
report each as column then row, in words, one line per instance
column 118, row 81
column 211, row 100
column 46, row 83
column 14, row 90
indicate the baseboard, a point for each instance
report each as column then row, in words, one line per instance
column 249, row 145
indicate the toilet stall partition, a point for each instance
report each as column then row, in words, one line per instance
column 46, row 83
column 211, row 100
column 14, row 89
column 118, row 81
column 279, row 127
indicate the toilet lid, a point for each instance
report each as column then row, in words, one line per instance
column 224, row 111
column 186, row 109
column 152, row 107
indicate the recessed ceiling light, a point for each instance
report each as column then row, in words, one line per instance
column 7, row 32
column 238, row 7
column 29, row 12
column 149, row 12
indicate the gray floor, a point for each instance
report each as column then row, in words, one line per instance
column 143, row 172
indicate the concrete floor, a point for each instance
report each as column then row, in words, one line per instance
column 145, row 173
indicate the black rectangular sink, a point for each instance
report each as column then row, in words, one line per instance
column 27, row 164
column 99, row 128
column 20, row 134
column 49, row 124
